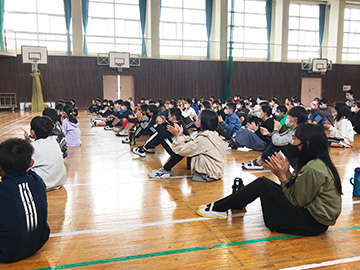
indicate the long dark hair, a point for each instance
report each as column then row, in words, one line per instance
column 70, row 111
column 314, row 146
column 342, row 111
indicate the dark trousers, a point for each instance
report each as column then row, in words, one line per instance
column 223, row 131
column 155, row 140
column 278, row 213
column 144, row 131
column 271, row 149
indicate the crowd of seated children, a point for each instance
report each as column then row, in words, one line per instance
column 23, row 212
column 70, row 126
column 341, row 133
column 57, row 131
column 146, row 122
column 280, row 141
column 112, row 119
column 165, row 138
column 48, row 158
column 207, row 150
column 306, row 202
column 253, row 135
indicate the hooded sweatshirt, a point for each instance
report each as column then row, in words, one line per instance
column 207, row 153
column 72, row 132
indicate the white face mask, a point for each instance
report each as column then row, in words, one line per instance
column 314, row 102
column 322, row 106
column 254, row 113
column 277, row 113
column 226, row 111
column 171, row 106
column 334, row 114
column 353, row 109
column 238, row 106
column 186, row 106
column 288, row 123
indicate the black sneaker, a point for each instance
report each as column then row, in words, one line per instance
column 238, row 184
column 139, row 151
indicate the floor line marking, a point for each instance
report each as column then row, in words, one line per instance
column 137, row 226
column 151, row 224
column 328, row 263
column 11, row 129
column 179, row 251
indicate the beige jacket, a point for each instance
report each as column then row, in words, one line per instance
column 207, row 153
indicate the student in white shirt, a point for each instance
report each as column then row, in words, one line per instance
column 48, row 160
column 341, row 132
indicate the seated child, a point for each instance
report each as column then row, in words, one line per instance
column 207, row 151
column 23, row 212
column 48, row 161
column 70, row 126
column 231, row 124
column 57, row 131
column 341, row 132
column 165, row 138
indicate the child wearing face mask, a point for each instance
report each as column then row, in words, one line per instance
column 321, row 114
column 231, row 124
column 188, row 114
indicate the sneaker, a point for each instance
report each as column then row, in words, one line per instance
column 150, row 150
column 108, row 128
column 160, row 174
column 93, row 122
column 209, row 213
column 124, row 132
column 139, row 151
column 247, row 163
column 252, row 166
column 345, row 144
column 127, row 140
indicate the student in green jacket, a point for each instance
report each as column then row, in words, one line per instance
column 306, row 202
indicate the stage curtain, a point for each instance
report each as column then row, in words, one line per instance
column 142, row 7
column 209, row 11
column 37, row 100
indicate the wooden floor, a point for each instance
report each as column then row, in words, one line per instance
column 109, row 215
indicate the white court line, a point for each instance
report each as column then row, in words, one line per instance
column 136, row 226
column 11, row 129
column 328, row 263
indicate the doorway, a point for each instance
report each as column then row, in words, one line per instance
column 118, row 87
column 310, row 89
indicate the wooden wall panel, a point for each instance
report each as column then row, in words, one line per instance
column 81, row 78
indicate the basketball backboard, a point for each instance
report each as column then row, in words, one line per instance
column 119, row 60
column 31, row 54
column 319, row 65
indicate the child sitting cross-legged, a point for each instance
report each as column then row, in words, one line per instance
column 23, row 212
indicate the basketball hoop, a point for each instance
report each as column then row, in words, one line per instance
column 119, row 66
column 34, row 65
column 322, row 70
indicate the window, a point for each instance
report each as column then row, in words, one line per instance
column 183, row 28
column 303, row 31
column 249, row 33
column 37, row 23
column 351, row 41
column 114, row 25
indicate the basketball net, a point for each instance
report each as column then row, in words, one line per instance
column 322, row 71
column 34, row 65
column 119, row 65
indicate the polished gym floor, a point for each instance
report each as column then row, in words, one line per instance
column 109, row 215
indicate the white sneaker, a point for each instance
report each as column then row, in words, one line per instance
column 127, row 140
column 345, row 144
column 160, row 174
column 93, row 122
column 209, row 213
column 253, row 165
column 108, row 128
column 139, row 151
column 124, row 132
